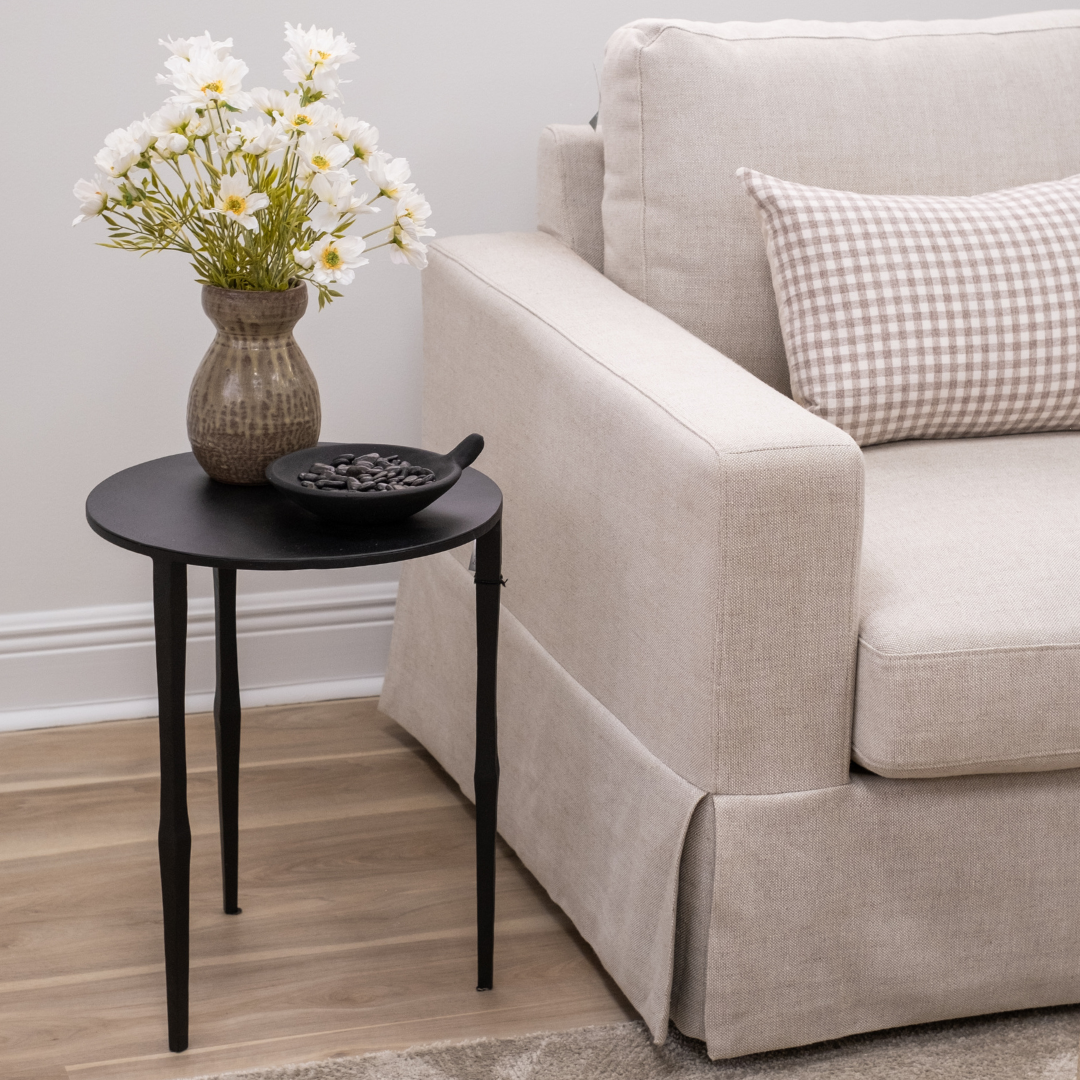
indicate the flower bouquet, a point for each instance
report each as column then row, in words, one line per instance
column 261, row 204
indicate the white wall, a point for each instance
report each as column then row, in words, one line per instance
column 99, row 346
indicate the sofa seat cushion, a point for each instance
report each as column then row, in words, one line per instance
column 969, row 642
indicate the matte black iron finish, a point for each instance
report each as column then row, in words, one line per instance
column 488, row 581
column 172, row 511
column 227, row 731
column 174, row 831
column 170, row 508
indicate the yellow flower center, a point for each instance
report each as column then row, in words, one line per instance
column 331, row 258
column 214, row 87
column 323, row 55
column 320, row 162
column 302, row 118
column 234, row 204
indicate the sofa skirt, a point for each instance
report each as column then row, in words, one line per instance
column 594, row 816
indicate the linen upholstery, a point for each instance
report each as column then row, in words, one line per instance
column 746, row 553
column 869, row 905
column 928, row 317
column 693, row 918
column 884, row 903
column 903, row 108
column 570, row 189
column 969, row 648
column 574, row 783
column 857, row 905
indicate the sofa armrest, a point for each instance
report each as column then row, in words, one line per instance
column 680, row 537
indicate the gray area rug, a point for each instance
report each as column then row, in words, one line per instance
column 1040, row 1044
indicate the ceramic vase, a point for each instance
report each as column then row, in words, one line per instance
column 254, row 398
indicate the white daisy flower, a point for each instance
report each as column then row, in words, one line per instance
column 237, row 202
column 332, row 261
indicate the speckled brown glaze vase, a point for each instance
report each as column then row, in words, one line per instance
column 254, row 398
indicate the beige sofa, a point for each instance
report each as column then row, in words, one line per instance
column 717, row 602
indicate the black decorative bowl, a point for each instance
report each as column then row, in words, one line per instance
column 371, row 507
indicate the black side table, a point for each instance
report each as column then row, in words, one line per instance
column 172, row 511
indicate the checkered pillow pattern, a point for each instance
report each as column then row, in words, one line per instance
column 928, row 317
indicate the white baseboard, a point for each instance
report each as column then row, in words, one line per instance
column 88, row 664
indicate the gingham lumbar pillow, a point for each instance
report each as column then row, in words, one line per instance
column 928, row 317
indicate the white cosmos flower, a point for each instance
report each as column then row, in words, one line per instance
column 360, row 135
column 228, row 140
column 140, row 133
column 205, row 77
column 297, row 117
column 315, row 56
column 331, row 116
column 93, row 197
column 412, row 213
column 183, row 46
column 410, row 224
column 258, row 137
column 407, row 249
column 334, row 192
column 171, row 144
column 389, row 176
column 237, row 202
column 271, row 102
column 119, row 153
column 332, row 261
column 321, row 153
column 173, row 126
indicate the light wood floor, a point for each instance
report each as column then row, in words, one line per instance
column 356, row 880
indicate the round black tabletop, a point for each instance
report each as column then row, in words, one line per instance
column 170, row 509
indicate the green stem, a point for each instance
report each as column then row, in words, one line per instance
column 377, row 231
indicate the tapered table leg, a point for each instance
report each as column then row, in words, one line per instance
column 174, row 832
column 227, row 732
column 488, row 581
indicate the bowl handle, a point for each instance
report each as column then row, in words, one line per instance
column 467, row 451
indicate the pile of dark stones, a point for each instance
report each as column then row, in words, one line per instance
column 365, row 472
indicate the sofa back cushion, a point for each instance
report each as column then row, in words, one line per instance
column 953, row 107
column 570, row 188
